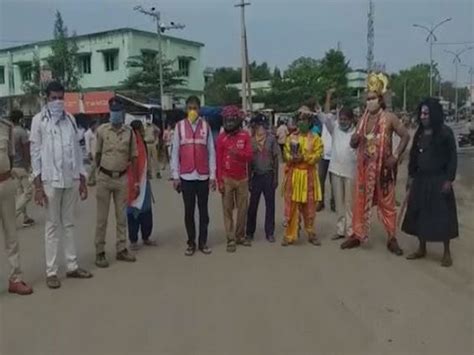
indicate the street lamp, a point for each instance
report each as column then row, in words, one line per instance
column 160, row 29
column 457, row 61
column 431, row 38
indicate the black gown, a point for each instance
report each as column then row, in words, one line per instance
column 431, row 213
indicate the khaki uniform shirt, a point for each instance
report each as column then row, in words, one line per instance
column 7, row 145
column 116, row 146
column 151, row 134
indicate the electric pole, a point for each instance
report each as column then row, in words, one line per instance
column 246, row 83
column 431, row 39
column 370, row 37
column 471, row 74
column 160, row 29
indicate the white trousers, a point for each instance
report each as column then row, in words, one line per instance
column 60, row 219
column 343, row 189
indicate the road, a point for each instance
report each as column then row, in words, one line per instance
column 262, row 300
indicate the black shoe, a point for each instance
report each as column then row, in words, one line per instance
column 271, row 239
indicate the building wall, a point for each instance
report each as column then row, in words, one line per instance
column 127, row 43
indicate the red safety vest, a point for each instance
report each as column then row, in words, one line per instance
column 193, row 152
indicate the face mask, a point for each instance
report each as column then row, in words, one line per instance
column 373, row 105
column 303, row 127
column 56, row 108
column 231, row 124
column 193, row 116
column 117, row 117
column 345, row 126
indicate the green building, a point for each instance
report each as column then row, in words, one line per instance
column 102, row 60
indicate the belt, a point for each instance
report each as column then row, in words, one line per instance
column 5, row 176
column 113, row 174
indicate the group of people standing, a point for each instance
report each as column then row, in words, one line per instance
column 241, row 166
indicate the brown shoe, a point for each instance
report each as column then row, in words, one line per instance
column 53, row 282
column 351, row 243
column 124, row 255
column 19, row 288
column 393, row 247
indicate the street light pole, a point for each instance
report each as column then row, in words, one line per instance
column 457, row 61
column 160, row 29
column 431, row 38
column 246, row 86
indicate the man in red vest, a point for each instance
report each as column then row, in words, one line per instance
column 234, row 153
column 193, row 169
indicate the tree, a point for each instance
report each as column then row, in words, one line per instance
column 417, row 82
column 63, row 60
column 34, row 86
column 260, row 72
column 448, row 92
column 334, row 70
column 145, row 77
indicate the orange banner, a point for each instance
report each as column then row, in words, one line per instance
column 72, row 102
column 97, row 102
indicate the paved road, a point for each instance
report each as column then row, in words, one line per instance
column 262, row 300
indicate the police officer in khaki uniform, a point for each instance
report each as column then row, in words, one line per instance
column 7, row 209
column 116, row 150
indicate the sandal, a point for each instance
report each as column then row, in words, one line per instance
column 315, row 241
column 150, row 243
column 394, row 248
column 79, row 274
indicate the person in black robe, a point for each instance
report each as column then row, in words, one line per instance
column 431, row 209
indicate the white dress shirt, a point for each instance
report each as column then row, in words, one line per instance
column 55, row 151
column 343, row 157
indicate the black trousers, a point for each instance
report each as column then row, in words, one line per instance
column 323, row 173
column 262, row 184
column 192, row 191
column 143, row 223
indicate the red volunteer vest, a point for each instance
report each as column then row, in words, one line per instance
column 193, row 152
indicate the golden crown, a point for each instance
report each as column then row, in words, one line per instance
column 377, row 83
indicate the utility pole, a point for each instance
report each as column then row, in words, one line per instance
column 431, row 39
column 370, row 37
column 246, row 84
column 457, row 61
column 471, row 75
column 405, row 96
column 160, row 29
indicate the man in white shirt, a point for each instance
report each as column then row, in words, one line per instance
column 91, row 145
column 342, row 166
column 59, row 176
column 282, row 133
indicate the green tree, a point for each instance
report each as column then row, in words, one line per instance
column 334, row 70
column 417, row 82
column 145, row 78
column 259, row 72
column 34, row 86
column 63, row 59
column 448, row 92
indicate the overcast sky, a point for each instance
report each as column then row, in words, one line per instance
column 279, row 30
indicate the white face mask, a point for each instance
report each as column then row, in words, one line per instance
column 373, row 105
column 56, row 108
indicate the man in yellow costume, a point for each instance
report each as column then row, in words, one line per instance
column 302, row 190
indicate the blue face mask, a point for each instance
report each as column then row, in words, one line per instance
column 117, row 117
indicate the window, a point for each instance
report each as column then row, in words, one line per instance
column 2, row 75
column 183, row 66
column 25, row 72
column 85, row 64
column 111, row 60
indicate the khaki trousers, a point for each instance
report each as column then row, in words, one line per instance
column 343, row 189
column 92, row 173
column 8, row 228
column 116, row 188
column 236, row 194
column 24, row 191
